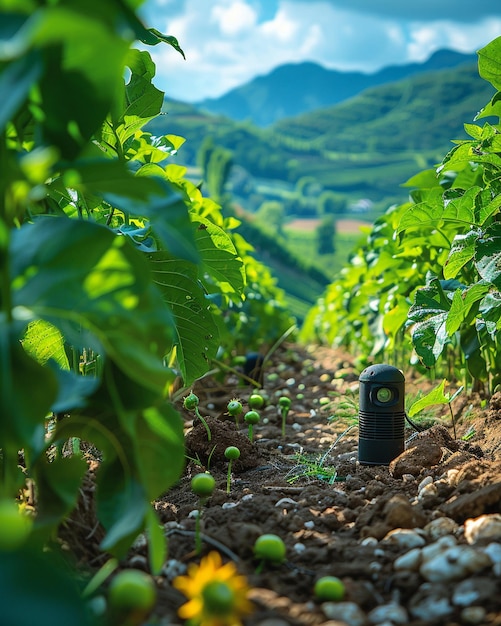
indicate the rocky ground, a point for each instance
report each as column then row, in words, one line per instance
column 416, row 542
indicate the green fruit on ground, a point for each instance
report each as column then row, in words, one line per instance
column 132, row 591
column 329, row 588
column 270, row 548
column 203, row 484
column 15, row 526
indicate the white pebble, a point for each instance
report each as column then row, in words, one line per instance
column 440, row 527
column 493, row 551
column 347, row 612
column 297, row 427
column 229, row 505
column 392, row 613
column 248, row 496
column 194, row 514
column 426, row 481
column 410, row 561
column 427, row 492
column 483, row 528
column 140, row 542
column 454, row 564
column 432, row 608
column 299, row 547
column 173, row 568
column 286, row 502
column 473, row 615
column 309, row 525
column 369, row 541
column 404, row 538
column 408, row 478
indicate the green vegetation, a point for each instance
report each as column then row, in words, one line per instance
column 427, row 277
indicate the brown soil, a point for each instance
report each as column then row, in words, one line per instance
column 330, row 527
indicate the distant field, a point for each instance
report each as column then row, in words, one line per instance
column 343, row 226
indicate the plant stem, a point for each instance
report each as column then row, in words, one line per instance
column 206, row 426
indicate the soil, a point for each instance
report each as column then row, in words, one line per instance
column 336, row 516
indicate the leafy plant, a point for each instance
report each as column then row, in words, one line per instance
column 431, row 265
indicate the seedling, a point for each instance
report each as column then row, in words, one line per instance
column 256, row 401
column 191, row 403
column 285, row 404
column 251, row 418
column 232, row 453
column 270, row 549
column 329, row 589
column 235, row 409
column 131, row 596
column 202, row 485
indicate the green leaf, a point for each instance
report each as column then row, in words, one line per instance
column 27, row 391
column 489, row 63
column 74, row 389
column 462, row 251
column 43, row 341
column 159, row 436
column 16, row 80
column 157, row 542
column 197, row 333
column 488, row 255
column 431, row 214
column 154, row 37
column 463, row 301
column 78, row 274
column 220, row 257
column 58, row 484
column 436, row 396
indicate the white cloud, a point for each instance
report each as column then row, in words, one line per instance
column 229, row 42
column 234, row 19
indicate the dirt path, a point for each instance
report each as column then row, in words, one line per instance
column 400, row 537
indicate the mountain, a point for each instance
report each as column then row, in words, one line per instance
column 293, row 89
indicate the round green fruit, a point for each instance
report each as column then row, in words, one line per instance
column 132, row 590
column 15, row 526
column 270, row 548
column 329, row 588
column 203, row 484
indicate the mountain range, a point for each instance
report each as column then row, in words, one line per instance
column 293, row 89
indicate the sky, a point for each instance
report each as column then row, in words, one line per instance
column 229, row 42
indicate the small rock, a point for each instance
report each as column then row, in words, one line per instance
column 430, row 603
column 392, row 613
column 440, row 527
column 483, row 529
column 428, row 480
column 493, row 551
column 404, row 538
column 428, row 493
column 347, row 612
column 410, row 561
column 453, row 564
column 424, row 453
column 474, row 591
column 473, row 615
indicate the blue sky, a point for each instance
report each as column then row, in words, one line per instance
column 229, row 42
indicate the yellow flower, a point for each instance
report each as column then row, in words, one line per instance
column 217, row 593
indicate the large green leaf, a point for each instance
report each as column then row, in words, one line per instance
column 159, row 436
column 464, row 301
column 197, row 333
column 27, row 390
column 75, row 273
column 220, row 257
column 435, row 396
column 16, row 80
column 43, row 341
column 489, row 63
column 434, row 211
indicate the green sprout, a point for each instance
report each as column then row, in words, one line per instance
column 202, row 485
column 191, row 403
column 285, row 404
column 270, row 549
column 234, row 409
column 329, row 589
column 256, row 401
column 251, row 418
column 232, row 453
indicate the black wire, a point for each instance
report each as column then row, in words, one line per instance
column 420, row 429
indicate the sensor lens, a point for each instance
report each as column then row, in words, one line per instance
column 383, row 394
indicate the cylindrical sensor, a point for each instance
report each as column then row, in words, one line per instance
column 381, row 415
